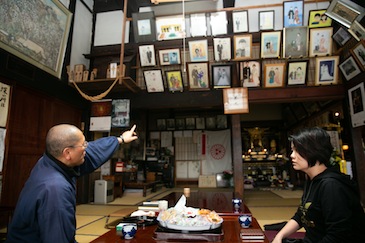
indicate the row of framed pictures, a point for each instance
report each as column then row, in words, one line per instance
column 252, row 73
column 193, row 123
column 355, row 63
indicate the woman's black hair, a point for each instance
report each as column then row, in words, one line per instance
column 313, row 144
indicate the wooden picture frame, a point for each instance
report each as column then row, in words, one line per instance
column 222, row 49
column 318, row 18
column 222, row 75
column 235, row 100
column 170, row 27
column 295, row 42
column 210, row 122
column 326, row 72
column 297, row 72
column 198, row 50
column 274, row 74
column 218, row 23
column 345, row 12
column 342, row 36
column 144, row 27
column 190, row 123
column 169, row 57
column 349, row 68
column 250, row 73
column 198, row 24
column 266, row 20
column 242, row 47
column 293, row 13
column 240, row 21
column 320, row 42
column 51, row 23
column 357, row 31
column 270, row 44
column 198, row 76
column 356, row 96
column 358, row 51
column 147, row 55
column 222, row 122
column 180, row 124
column 154, row 80
column 174, row 80
column 200, row 123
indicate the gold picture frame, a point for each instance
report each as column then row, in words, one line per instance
column 326, row 72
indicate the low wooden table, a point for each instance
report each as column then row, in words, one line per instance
column 142, row 185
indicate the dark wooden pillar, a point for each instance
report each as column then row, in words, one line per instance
column 237, row 156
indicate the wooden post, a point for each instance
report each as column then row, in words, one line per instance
column 122, row 43
column 237, row 156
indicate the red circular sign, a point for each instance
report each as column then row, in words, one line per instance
column 217, row 151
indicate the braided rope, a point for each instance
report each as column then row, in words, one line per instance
column 99, row 96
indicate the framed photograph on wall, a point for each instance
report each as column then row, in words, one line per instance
column 250, row 73
column 293, row 13
column 320, row 42
column 349, row 68
column 218, row 23
column 357, row 31
column 295, row 42
column 358, row 51
column 222, row 75
column 198, row 76
column 240, row 21
column 147, row 55
column 274, row 74
column 190, row 123
column 198, row 50
column 318, row 18
column 170, row 27
column 174, row 80
column 341, row 36
column 144, row 27
column 326, row 70
column 297, row 72
column 242, row 47
column 200, row 123
column 345, row 12
column 270, row 44
column 210, row 122
column 222, row 49
column 154, row 81
column 180, row 123
column 169, row 57
column 235, row 100
column 266, row 20
column 356, row 96
column 198, row 24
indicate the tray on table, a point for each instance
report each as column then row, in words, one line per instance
column 162, row 233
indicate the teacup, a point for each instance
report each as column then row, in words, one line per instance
column 245, row 220
column 129, row 231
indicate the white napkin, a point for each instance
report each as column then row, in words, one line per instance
column 181, row 204
column 143, row 213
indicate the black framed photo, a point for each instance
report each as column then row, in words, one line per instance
column 200, row 123
column 240, row 21
column 266, row 20
column 297, row 72
column 349, row 68
column 342, row 36
column 222, row 75
column 144, row 27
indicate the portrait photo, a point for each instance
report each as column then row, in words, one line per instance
column 242, row 47
column 169, row 57
column 250, row 73
column 295, row 42
column 349, row 68
column 222, row 49
column 293, row 13
column 297, row 72
column 318, row 18
column 198, row 76
column 147, row 55
column 200, row 122
column 240, row 21
column 154, row 80
column 341, row 36
column 222, row 75
column 198, row 50
column 320, row 42
column 356, row 96
column 358, row 51
column 270, row 44
column 274, row 75
column 174, row 80
column 326, row 70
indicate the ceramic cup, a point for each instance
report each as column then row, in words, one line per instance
column 187, row 192
column 129, row 231
column 236, row 203
column 163, row 205
column 245, row 220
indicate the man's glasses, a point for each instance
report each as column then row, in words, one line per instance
column 84, row 145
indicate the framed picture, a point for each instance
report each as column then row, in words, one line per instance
column 326, row 70
column 293, row 13
column 200, row 122
column 180, row 123
column 174, row 80
column 210, row 122
column 341, row 36
column 222, row 122
column 356, row 96
column 358, row 51
column 198, row 50
column 345, row 12
column 161, row 124
column 357, row 31
column 270, row 44
column 297, row 72
column 250, row 72
column 147, row 55
column 242, row 47
column 154, row 81
column 51, row 23
column 349, row 68
column 169, row 57
column 240, row 21
column 222, row 75
column 235, row 100
column 295, row 42
column 320, row 42
column 218, row 23
column 266, row 20
column 198, row 24
column 170, row 124
column 170, row 27
column 190, row 123
column 274, row 75
column 144, row 27
column 222, row 49
column 198, row 76
column 318, row 18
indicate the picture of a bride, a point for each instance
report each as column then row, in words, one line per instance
column 326, row 72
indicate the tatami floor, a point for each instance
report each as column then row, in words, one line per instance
column 267, row 206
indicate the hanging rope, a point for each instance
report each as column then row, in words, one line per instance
column 99, row 96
